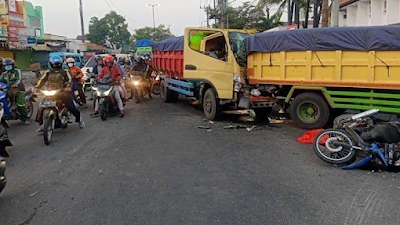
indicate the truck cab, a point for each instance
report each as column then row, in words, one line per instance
column 213, row 71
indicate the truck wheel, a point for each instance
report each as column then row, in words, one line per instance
column 166, row 94
column 262, row 114
column 211, row 106
column 309, row 111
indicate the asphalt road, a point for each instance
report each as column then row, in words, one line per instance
column 155, row 166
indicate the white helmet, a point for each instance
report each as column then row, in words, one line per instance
column 70, row 60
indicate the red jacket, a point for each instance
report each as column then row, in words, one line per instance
column 115, row 73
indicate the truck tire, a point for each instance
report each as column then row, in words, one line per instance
column 166, row 94
column 211, row 106
column 309, row 111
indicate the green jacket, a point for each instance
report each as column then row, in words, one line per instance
column 12, row 77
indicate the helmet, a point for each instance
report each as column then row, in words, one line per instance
column 109, row 59
column 9, row 64
column 70, row 60
column 99, row 58
column 56, row 62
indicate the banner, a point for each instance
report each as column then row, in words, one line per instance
column 12, row 6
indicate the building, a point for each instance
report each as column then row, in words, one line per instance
column 34, row 19
column 369, row 12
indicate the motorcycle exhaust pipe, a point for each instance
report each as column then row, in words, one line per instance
column 365, row 114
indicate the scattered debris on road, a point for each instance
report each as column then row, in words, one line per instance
column 32, row 195
column 251, row 128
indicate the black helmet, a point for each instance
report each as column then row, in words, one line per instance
column 99, row 58
column 9, row 64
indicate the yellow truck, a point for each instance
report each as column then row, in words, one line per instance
column 313, row 74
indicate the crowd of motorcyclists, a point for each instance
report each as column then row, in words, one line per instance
column 70, row 81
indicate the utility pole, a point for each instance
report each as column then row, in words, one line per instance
column 335, row 13
column 222, row 14
column 215, row 16
column 82, row 23
column 297, row 13
column 154, row 17
column 290, row 13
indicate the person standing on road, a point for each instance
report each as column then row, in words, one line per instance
column 77, row 80
column 58, row 78
column 13, row 77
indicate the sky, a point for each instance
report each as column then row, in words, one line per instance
column 61, row 17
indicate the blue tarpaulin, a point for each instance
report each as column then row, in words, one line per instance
column 339, row 38
column 171, row 44
column 143, row 43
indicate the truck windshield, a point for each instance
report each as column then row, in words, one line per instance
column 238, row 39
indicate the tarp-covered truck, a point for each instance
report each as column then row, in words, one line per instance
column 314, row 73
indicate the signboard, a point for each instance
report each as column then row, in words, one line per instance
column 12, row 6
column 26, row 32
column 3, row 8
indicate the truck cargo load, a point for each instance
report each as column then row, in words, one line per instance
column 323, row 71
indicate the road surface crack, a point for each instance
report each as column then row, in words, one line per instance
column 35, row 209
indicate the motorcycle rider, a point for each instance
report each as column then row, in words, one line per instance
column 58, row 78
column 120, row 64
column 77, row 80
column 111, row 72
column 142, row 67
column 1, row 66
column 13, row 77
column 100, row 64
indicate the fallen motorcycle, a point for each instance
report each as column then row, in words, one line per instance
column 54, row 114
column 359, row 133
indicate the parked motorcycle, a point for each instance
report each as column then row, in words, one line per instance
column 54, row 114
column 8, row 97
column 106, row 100
column 4, row 142
column 359, row 133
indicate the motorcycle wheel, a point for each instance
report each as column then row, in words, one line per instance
column 155, row 89
column 330, row 152
column 103, row 110
column 3, row 180
column 139, row 95
column 48, row 128
column 29, row 107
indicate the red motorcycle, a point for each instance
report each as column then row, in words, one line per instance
column 155, row 82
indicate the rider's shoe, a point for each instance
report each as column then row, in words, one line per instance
column 81, row 124
column 40, row 129
column 27, row 122
column 95, row 113
column 122, row 114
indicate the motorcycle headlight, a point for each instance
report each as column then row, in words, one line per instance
column 108, row 91
column 158, row 78
column 95, row 88
column 237, row 78
column 50, row 93
column 135, row 82
column 98, row 93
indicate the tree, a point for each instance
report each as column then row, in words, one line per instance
column 156, row 34
column 111, row 29
column 288, row 5
column 248, row 16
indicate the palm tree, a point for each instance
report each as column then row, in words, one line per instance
column 290, row 5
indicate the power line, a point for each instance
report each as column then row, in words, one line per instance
column 123, row 13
